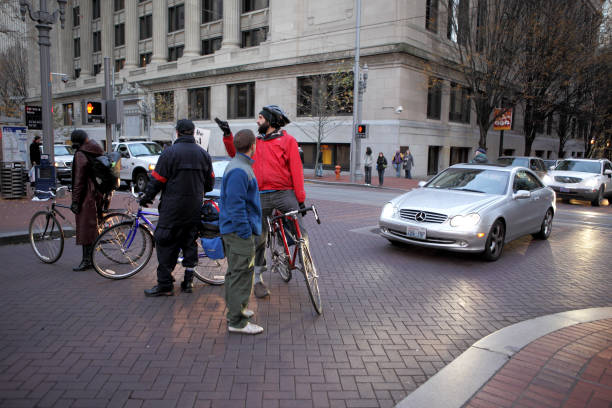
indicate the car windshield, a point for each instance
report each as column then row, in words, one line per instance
column 576, row 165
column 63, row 150
column 145, row 149
column 473, row 180
column 514, row 161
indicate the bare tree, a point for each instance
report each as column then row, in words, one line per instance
column 322, row 98
column 13, row 79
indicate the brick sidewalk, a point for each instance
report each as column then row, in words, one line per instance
column 389, row 182
column 571, row 367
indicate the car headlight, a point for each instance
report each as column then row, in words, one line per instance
column 547, row 179
column 151, row 167
column 470, row 220
column 59, row 164
column 389, row 211
column 591, row 183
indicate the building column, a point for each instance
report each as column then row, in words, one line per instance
column 131, row 35
column 160, row 32
column 231, row 24
column 86, row 39
column 108, row 33
column 193, row 16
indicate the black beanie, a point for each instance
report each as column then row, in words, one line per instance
column 78, row 137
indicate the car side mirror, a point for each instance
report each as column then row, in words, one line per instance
column 521, row 195
column 422, row 183
column 608, row 172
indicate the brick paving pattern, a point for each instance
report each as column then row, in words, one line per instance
column 392, row 318
column 570, row 368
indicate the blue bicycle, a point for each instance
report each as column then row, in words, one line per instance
column 124, row 249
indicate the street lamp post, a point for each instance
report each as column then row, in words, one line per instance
column 44, row 21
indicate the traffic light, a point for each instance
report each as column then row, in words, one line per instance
column 93, row 111
column 361, row 131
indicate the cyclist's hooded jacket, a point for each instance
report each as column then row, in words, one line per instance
column 277, row 165
column 183, row 173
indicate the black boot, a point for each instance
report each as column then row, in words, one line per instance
column 159, row 291
column 187, row 283
column 86, row 261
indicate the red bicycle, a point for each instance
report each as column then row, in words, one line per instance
column 284, row 230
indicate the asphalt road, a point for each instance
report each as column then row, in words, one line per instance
column 392, row 318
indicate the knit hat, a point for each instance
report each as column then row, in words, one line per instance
column 185, row 127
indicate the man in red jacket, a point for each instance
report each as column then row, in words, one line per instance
column 279, row 173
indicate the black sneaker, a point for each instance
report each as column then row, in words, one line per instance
column 187, row 286
column 159, row 291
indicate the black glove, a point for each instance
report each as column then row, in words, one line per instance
column 145, row 201
column 224, row 126
column 302, row 206
column 75, row 208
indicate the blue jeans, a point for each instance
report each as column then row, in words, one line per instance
column 398, row 169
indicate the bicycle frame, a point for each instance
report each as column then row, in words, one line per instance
column 141, row 214
column 279, row 226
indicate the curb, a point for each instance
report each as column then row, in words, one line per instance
column 23, row 237
column 466, row 374
column 349, row 184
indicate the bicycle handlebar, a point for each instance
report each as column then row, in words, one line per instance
column 301, row 211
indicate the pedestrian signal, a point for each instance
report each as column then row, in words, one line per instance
column 361, row 131
column 93, row 111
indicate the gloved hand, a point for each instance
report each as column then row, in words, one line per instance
column 145, row 201
column 75, row 208
column 224, row 126
column 302, row 206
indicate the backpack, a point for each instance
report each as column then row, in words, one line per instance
column 105, row 171
column 209, row 221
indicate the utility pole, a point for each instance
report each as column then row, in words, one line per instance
column 355, row 142
column 44, row 21
column 108, row 95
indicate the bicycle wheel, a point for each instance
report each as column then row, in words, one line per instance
column 113, row 218
column 46, row 236
column 211, row 271
column 279, row 261
column 311, row 277
column 122, row 250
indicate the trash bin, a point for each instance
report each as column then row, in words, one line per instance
column 12, row 179
column 45, row 178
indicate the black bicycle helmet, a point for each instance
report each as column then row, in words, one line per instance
column 275, row 115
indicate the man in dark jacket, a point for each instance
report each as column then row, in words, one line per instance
column 35, row 151
column 183, row 173
column 87, row 202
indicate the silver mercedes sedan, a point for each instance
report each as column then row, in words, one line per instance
column 471, row 208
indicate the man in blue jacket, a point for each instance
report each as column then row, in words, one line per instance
column 240, row 222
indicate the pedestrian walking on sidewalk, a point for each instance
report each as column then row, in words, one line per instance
column 183, row 174
column 408, row 163
column 381, row 165
column 240, row 225
column 367, row 162
column 35, row 151
column 87, row 202
column 397, row 163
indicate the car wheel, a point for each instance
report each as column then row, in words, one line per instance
column 546, row 227
column 495, row 241
column 140, row 181
column 600, row 196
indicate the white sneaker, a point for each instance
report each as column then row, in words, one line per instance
column 248, row 313
column 250, row 328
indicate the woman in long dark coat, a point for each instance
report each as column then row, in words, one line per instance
column 86, row 201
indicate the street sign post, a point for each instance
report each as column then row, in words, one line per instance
column 503, row 122
column 33, row 117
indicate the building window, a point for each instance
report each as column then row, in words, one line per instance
column 119, row 5
column 146, row 27
column 68, row 114
column 77, row 73
column 459, row 155
column 97, row 68
column 95, row 9
column 252, row 5
column 97, row 41
column 433, row 160
column 431, row 15
column 164, row 106
column 459, row 104
column 325, row 94
column 434, row 98
column 210, row 45
column 77, row 47
column 458, row 20
column 212, row 10
column 252, row 38
column 76, row 17
column 241, row 101
column 175, row 53
column 119, row 64
column 119, row 34
column 176, row 18
column 145, row 59
column 549, row 124
column 199, row 103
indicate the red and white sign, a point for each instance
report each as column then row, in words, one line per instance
column 504, row 120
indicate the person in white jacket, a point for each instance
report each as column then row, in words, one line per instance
column 367, row 162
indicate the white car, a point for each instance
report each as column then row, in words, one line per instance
column 585, row 179
column 138, row 159
column 63, row 155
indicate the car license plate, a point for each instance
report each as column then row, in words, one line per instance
column 416, row 232
column 564, row 190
